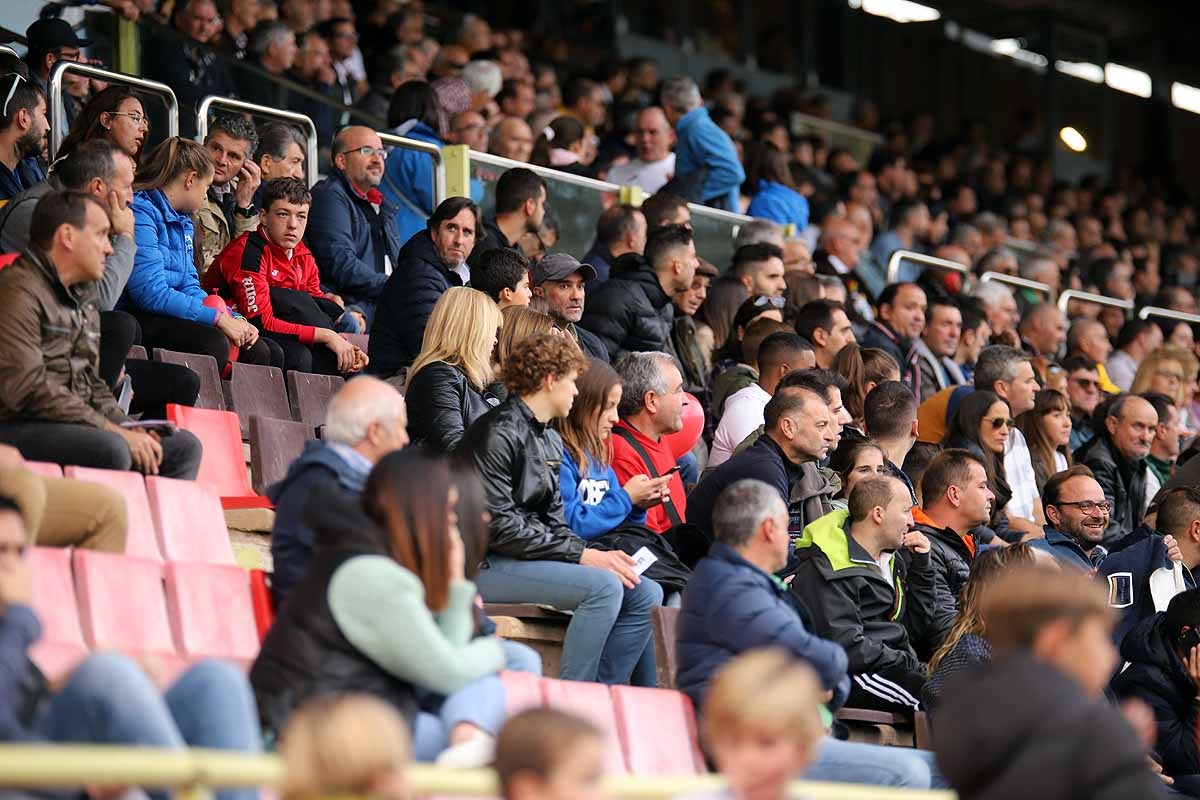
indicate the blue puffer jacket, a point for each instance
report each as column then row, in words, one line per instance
column 408, row 176
column 164, row 279
column 701, row 143
column 731, row 606
column 595, row 503
column 778, row 203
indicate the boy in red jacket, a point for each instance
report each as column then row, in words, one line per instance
column 270, row 277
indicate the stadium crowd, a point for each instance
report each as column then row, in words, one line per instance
column 918, row 493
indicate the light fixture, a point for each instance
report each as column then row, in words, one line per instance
column 897, row 10
column 1185, row 97
column 1083, row 70
column 1073, row 139
column 1127, row 79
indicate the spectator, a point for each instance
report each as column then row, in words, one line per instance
column 1083, row 390
column 47, row 417
column 875, row 616
column 1000, row 307
column 855, row 460
column 956, row 499
column 909, row 226
column 512, row 138
column 897, row 330
column 281, row 153
column 620, row 230
column 1076, row 518
column 521, row 323
column 1088, row 338
column 890, row 418
column 633, row 311
column 864, row 369
column 115, row 114
column 688, row 341
column 937, row 346
column 584, row 100
column 352, row 227
column 775, row 196
column 544, row 753
column 1043, row 330
column 347, row 59
column 1164, row 449
column 982, row 424
column 163, row 291
column 184, row 57
column 107, row 699
column 516, row 99
column 1117, row 458
column 48, row 41
column 824, row 323
column 238, row 18
column 560, row 281
column 408, row 177
column 563, row 145
column 447, row 385
column 1166, row 370
column 365, row 420
column 759, row 231
column 503, row 275
column 272, row 46
column 23, row 131
column 313, row 69
column 654, row 165
column 838, row 258
column 976, row 330
column 651, row 407
column 799, row 431
column 270, row 276
column 469, row 128
column 532, row 555
column 1138, row 339
column 1048, row 632
column 1047, row 430
column 704, row 154
column 431, row 262
column 663, row 208
column 484, row 80
column 520, row 209
column 1009, row 373
column 779, row 354
column 228, row 210
column 760, row 268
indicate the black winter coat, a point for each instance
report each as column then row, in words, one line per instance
column 1123, row 482
column 518, row 459
column 411, row 291
column 442, row 404
column 951, row 560
column 630, row 312
column 1156, row 675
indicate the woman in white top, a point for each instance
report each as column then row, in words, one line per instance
column 1047, row 429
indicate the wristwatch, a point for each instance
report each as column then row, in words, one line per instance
column 247, row 212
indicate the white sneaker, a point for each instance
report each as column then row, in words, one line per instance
column 475, row 753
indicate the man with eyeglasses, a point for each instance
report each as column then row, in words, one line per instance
column 23, row 129
column 1077, row 515
column 1083, row 390
column 351, row 227
column 1117, row 457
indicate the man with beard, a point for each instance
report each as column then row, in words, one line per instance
column 23, row 129
column 520, row 209
column 1076, row 518
column 899, row 326
column 559, row 279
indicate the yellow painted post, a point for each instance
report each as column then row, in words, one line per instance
column 127, row 47
column 632, row 196
column 456, row 159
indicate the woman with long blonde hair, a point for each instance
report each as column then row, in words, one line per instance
column 448, row 379
column 1166, row 370
column 521, row 323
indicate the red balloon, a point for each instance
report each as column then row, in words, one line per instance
column 683, row 440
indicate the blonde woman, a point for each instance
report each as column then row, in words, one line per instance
column 520, row 323
column 1166, row 370
column 446, row 382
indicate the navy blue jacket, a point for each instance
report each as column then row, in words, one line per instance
column 1128, row 574
column 349, row 241
column 21, row 685
column 292, row 538
column 731, row 606
column 1067, row 551
column 29, row 173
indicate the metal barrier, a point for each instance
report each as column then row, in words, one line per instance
column 893, row 267
column 1012, row 280
column 1168, row 313
column 55, row 101
column 310, row 150
column 70, row 766
column 1067, row 296
column 555, row 175
column 404, row 143
column 861, row 143
column 6, row 49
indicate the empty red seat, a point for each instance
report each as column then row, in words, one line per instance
column 141, row 537
column 658, row 731
column 310, row 395
column 44, row 468
column 222, row 467
column 257, row 391
column 211, row 612
column 593, row 702
column 522, row 691
column 61, row 647
column 212, row 393
column 191, row 523
column 274, row 445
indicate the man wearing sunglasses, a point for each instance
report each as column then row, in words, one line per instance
column 1077, row 515
column 23, row 129
column 1083, row 389
column 1117, row 457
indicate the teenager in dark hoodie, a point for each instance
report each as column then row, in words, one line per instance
column 896, row 331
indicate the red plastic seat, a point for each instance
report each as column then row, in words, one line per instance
column 122, row 608
column 191, row 523
column 61, row 647
column 141, row 537
column 593, row 702
column 222, row 467
column 522, row 691
column 45, row 468
column 211, row 612
column 658, row 731
column 264, row 606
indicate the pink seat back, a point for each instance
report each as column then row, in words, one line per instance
column 121, row 604
column 44, row 468
column 222, row 467
column 190, row 520
column 593, row 702
column 61, row 646
column 211, row 612
column 658, row 731
column 522, row 691
column 141, row 538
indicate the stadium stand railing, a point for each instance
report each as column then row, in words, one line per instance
column 1065, row 298
column 58, row 128
column 1157, row 312
column 431, row 150
column 893, row 267
column 858, row 142
column 1020, row 283
column 311, row 163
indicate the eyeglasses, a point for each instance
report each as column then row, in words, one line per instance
column 1086, row 383
column 1166, row 373
column 17, row 80
column 1087, row 506
column 762, row 301
column 365, row 150
column 136, row 117
column 1001, row 422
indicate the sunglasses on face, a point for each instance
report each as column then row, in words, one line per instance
column 1085, row 383
column 1001, row 422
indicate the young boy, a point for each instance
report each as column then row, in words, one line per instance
column 503, row 275
column 543, row 754
column 1036, row 718
column 270, row 277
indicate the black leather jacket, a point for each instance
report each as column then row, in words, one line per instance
column 630, row 312
column 442, row 404
column 518, row 459
column 1123, row 482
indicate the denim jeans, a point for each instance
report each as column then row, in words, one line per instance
column 109, row 700
column 85, row 446
column 611, row 624
column 857, row 762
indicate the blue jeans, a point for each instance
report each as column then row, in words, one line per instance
column 857, row 762
column 611, row 624
column 109, row 700
column 689, row 470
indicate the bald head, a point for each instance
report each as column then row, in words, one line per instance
column 358, row 152
column 1089, row 338
column 1044, row 327
column 369, row 415
column 840, row 237
column 512, row 138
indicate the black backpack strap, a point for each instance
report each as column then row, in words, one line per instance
column 668, row 505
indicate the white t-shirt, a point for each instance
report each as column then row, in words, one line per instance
column 650, row 175
column 1018, row 468
column 743, row 414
